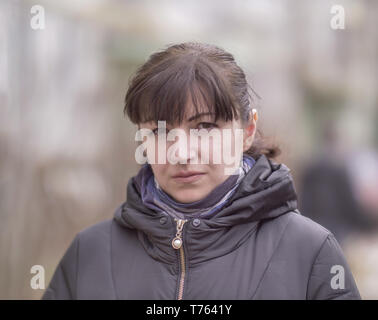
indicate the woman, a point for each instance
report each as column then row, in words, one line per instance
column 194, row 228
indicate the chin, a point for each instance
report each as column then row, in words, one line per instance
column 187, row 198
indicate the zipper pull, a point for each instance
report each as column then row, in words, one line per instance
column 177, row 240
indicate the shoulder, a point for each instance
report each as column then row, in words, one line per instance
column 303, row 227
column 298, row 225
column 313, row 251
column 100, row 229
column 101, row 235
column 299, row 233
column 91, row 238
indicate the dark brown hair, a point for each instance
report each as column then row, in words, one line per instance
column 201, row 72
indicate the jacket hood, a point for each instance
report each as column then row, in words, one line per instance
column 266, row 192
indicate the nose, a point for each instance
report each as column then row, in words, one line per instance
column 185, row 153
column 184, row 150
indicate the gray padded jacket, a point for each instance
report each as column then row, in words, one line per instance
column 258, row 246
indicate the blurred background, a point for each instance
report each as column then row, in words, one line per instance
column 67, row 151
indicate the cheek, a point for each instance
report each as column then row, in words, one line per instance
column 227, row 143
column 215, row 175
column 215, row 151
column 209, row 150
column 156, row 150
column 150, row 149
column 159, row 171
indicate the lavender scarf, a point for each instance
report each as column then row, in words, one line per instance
column 158, row 200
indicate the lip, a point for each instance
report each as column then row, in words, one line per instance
column 188, row 176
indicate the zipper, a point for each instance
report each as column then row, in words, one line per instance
column 177, row 243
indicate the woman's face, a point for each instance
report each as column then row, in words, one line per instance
column 199, row 167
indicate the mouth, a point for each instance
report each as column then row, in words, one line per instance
column 188, row 177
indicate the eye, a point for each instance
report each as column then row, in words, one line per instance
column 156, row 131
column 206, row 125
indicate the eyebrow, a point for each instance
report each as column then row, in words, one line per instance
column 199, row 115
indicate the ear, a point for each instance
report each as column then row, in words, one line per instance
column 250, row 130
